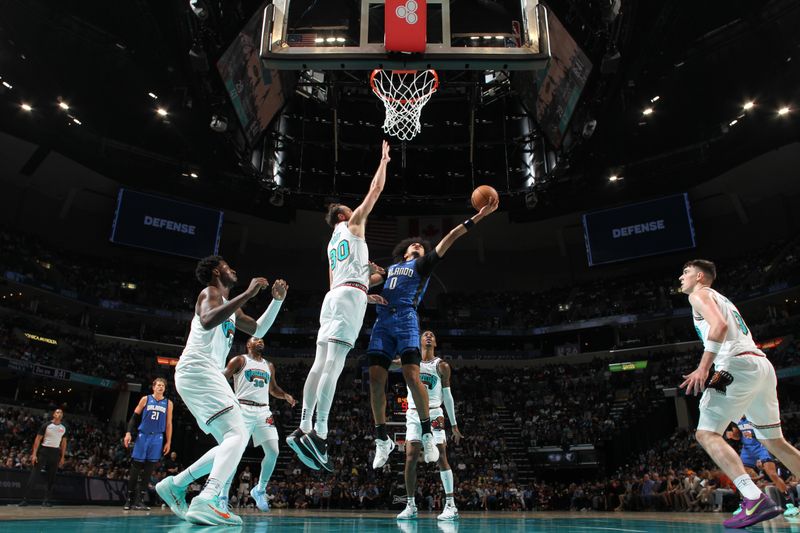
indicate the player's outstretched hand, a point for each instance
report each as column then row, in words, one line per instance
column 376, row 299
column 457, row 436
column 488, row 209
column 385, row 152
column 127, row 440
column 376, row 269
column 695, row 382
column 256, row 286
column 279, row 289
column 290, row 399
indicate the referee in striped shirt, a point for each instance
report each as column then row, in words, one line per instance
column 48, row 455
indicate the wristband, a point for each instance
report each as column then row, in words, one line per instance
column 468, row 224
column 713, row 346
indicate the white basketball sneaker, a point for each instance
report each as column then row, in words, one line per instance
column 409, row 513
column 449, row 513
column 382, row 450
column 430, row 451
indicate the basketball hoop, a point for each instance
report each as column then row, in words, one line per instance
column 404, row 93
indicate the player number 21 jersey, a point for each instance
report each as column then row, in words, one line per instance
column 738, row 339
column 348, row 257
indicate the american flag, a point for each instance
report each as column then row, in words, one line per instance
column 381, row 233
column 301, row 39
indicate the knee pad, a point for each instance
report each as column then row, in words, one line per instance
column 380, row 359
column 411, row 357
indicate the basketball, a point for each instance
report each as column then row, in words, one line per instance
column 482, row 195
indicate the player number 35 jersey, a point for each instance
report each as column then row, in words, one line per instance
column 738, row 340
column 348, row 257
column 252, row 381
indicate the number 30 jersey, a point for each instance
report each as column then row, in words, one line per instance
column 348, row 257
column 738, row 339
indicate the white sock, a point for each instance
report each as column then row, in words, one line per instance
column 746, row 486
column 196, row 470
column 226, row 488
column 268, row 463
column 410, row 501
column 311, row 386
column 334, row 364
column 447, row 483
column 228, row 456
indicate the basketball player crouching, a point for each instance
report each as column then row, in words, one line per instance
column 206, row 392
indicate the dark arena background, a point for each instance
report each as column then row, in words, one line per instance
column 623, row 137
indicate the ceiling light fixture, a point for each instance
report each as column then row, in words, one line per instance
column 647, row 111
column 26, row 107
column 63, row 105
column 162, row 112
column 153, row 96
column 783, row 111
column 7, row 85
column 748, row 105
column 655, row 99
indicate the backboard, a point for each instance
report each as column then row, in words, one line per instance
column 514, row 36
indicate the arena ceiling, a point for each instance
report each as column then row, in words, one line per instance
column 695, row 64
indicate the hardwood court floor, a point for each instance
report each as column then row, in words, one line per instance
column 81, row 519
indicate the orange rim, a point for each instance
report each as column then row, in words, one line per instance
column 402, row 100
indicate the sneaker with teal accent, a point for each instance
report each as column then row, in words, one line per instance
column 173, row 495
column 791, row 510
column 738, row 510
column 260, row 496
column 753, row 512
column 211, row 512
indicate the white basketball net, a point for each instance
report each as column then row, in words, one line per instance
column 403, row 93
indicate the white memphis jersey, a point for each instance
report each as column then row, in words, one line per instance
column 430, row 377
column 737, row 340
column 348, row 257
column 210, row 345
column 252, row 381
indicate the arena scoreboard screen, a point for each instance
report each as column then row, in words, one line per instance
column 165, row 225
column 638, row 230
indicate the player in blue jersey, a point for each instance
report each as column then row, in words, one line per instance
column 152, row 422
column 396, row 332
column 756, row 457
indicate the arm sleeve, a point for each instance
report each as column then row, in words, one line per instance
column 133, row 423
column 265, row 321
column 427, row 262
column 449, row 405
